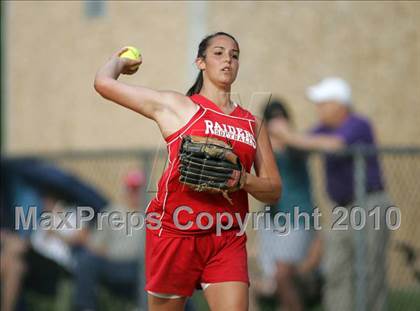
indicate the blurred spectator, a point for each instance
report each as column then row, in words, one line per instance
column 14, row 243
column 37, row 261
column 111, row 256
column 12, row 268
column 34, row 259
column 340, row 127
column 295, row 255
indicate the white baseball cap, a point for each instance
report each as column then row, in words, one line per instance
column 330, row 88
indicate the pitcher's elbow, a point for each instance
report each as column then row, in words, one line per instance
column 101, row 86
column 98, row 84
column 275, row 194
column 276, row 197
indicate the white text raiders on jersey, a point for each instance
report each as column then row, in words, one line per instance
column 230, row 132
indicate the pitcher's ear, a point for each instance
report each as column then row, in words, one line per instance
column 199, row 62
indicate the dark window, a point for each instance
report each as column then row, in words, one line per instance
column 95, row 8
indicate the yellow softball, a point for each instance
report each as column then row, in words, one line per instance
column 131, row 53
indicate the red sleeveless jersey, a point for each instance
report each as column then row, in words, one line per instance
column 237, row 129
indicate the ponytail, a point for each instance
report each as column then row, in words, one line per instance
column 198, row 84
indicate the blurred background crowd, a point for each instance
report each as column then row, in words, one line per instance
column 327, row 77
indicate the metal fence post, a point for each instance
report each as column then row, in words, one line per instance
column 142, row 303
column 359, row 235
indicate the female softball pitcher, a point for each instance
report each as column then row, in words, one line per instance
column 212, row 144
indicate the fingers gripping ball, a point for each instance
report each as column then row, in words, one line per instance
column 131, row 53
column 210, row 165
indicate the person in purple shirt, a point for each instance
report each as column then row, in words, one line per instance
column 353, row 130
column 339, row 128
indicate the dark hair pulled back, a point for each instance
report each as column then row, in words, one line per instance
column 202, row 47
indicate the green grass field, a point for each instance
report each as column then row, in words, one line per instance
column 399, row 299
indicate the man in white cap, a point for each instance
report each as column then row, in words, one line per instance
column 340, row 127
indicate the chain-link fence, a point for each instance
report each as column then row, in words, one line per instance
column 402, row 174
column 401, row 170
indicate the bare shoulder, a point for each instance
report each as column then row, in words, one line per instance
column 258, row 124
column 176, row 110
column 261, row 132
column 177, row 102
column 258, row 121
